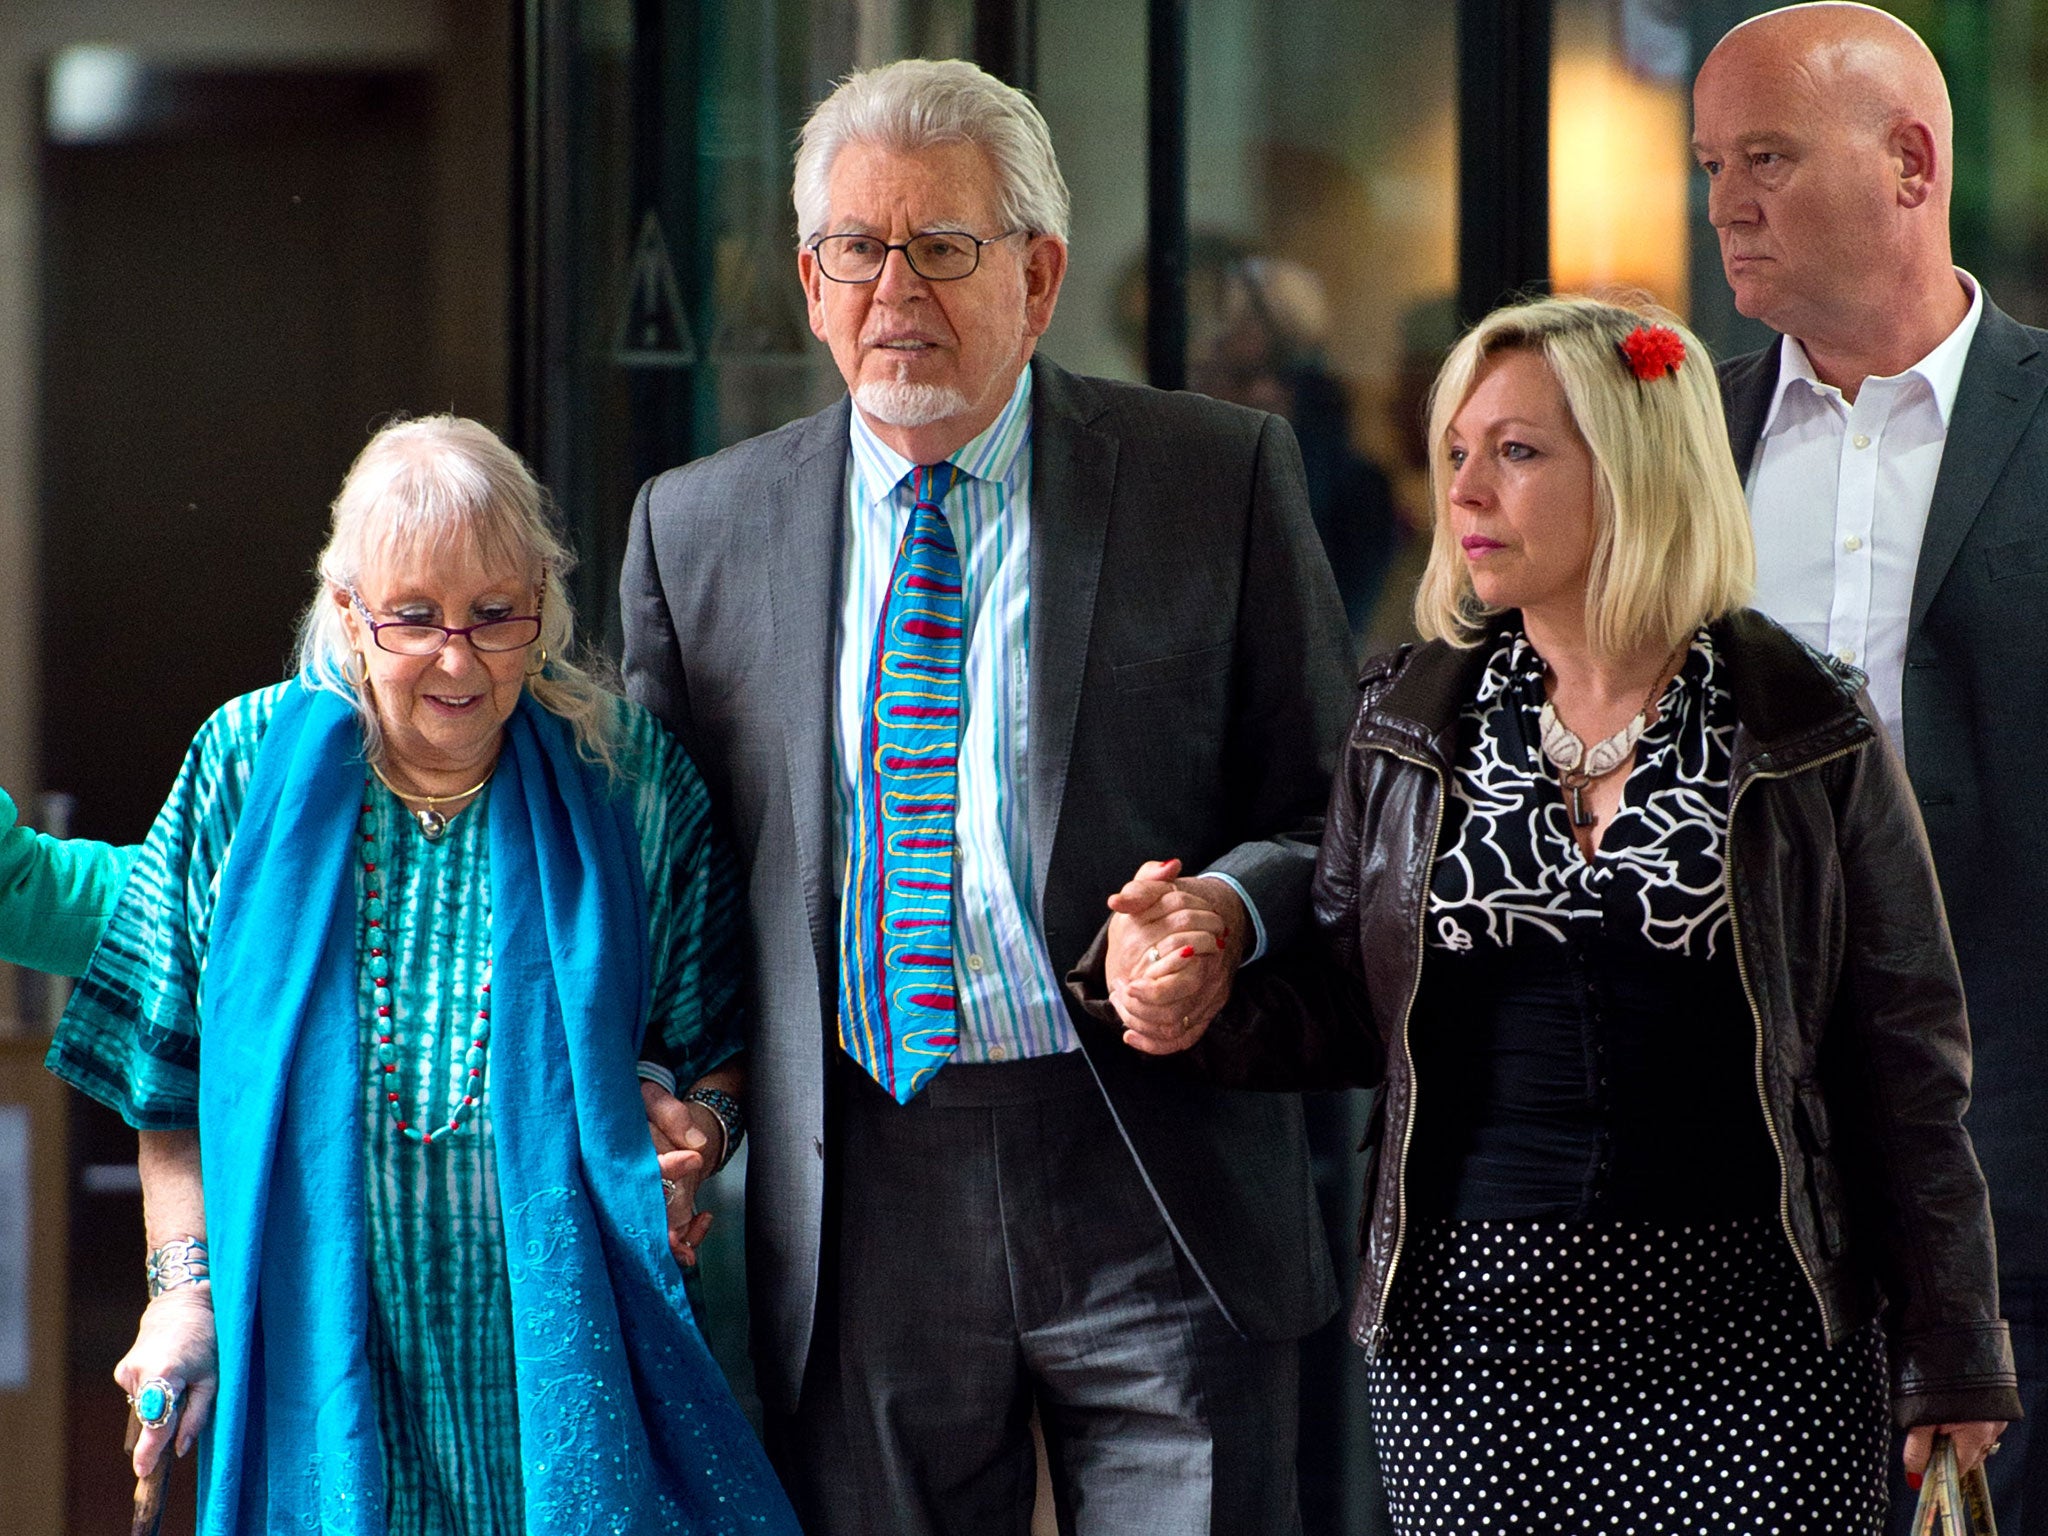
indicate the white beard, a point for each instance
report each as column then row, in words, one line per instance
column 895, row 403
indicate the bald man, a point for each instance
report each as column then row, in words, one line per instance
column 1896, row 446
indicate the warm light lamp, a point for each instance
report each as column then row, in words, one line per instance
column 1618, row 169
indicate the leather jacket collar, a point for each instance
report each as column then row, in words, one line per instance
column 1790, row 713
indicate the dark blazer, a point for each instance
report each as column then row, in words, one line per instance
column 1976, row 747
column 1188, row 691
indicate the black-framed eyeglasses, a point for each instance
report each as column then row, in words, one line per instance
column 941, row 256
column 410, row 637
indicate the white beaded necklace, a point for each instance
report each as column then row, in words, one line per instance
column 1579, row 765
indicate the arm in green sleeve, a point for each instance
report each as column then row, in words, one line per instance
column 55, row 895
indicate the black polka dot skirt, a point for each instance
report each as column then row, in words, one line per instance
column 1560, row 1377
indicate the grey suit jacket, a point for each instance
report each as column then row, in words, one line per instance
column 1188, row 689
column 1976, row 747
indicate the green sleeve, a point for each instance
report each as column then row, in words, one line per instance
column 55, row 895
column 696, row 923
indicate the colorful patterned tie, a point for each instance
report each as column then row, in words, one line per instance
column 896, row 997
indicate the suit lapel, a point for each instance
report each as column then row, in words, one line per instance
column 1747, row 384
column 2001, row 390
column 803, row 525
column 1073, row 476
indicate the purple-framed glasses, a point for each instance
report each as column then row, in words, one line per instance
column 413, row 638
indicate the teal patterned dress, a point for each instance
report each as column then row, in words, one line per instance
column 441, row 1344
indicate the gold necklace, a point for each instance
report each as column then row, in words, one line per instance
column 432, row 823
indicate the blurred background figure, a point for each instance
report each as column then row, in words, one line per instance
column 1256, row 327
column 1256, row 330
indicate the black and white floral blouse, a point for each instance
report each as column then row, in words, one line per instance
column 1582, row 1046
column 1510, row 870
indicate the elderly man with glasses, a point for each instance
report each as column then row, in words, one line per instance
column 956, row 655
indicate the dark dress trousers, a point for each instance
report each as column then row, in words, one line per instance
column 1976, row 749
column 1188, row 689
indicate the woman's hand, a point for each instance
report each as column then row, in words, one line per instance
column 689, row 1140
column 1973, row 1441
column 1173, row 949
column 175, row 1341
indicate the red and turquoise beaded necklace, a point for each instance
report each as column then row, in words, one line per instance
column 377, row 954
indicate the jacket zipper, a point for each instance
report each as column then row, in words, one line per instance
column 1379, row 1326
column 1756, row 1016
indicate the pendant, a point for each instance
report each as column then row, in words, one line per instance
column 1581, row 817
column 432, row 824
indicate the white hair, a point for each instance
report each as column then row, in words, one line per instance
column 437, row 485
column 917, row 104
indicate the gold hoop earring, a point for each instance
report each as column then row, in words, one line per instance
column 359, row 674
column 540, row 666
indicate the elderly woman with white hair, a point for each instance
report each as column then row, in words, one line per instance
column 373, row 1000
column 1656, row 994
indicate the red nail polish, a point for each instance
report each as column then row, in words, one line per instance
column 1187, row 952
column 1914, row 1480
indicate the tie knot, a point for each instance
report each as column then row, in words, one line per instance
column 930, row 482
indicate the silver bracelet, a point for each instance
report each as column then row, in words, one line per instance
column 179, row 1263
column 727, row 1108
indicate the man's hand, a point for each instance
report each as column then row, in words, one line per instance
column 1174, row 946
column 688, row 1141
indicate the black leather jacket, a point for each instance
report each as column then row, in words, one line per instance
column 1863, row 1049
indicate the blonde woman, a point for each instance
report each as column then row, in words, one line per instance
column 373, row 999
column 1657, row 996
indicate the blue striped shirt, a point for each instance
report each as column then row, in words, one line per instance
column 1009, row 995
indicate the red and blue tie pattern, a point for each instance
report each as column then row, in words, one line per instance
column 896, row 996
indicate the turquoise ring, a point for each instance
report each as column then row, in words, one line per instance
column 153, row 1404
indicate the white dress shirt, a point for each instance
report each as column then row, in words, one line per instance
column 1838, row 497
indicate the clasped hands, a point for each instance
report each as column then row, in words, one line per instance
column 689, row 1140
column 1174, row 946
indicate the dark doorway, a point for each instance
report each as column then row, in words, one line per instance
column 237, row 286
column 233, row 295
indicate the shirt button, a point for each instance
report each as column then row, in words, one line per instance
column 999, row 1053
column 1846, row 654
column 1852, row 543
column 1860, row 440
column 976, row 964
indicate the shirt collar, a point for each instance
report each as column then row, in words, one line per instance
column 992, row 454
column 1942, row 368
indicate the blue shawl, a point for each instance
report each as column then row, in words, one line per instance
column 626, row 1425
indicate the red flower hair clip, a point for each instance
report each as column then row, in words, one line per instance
column 1652, row 351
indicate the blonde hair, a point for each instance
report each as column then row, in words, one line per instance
column 437, row 485
column 1672, row 548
